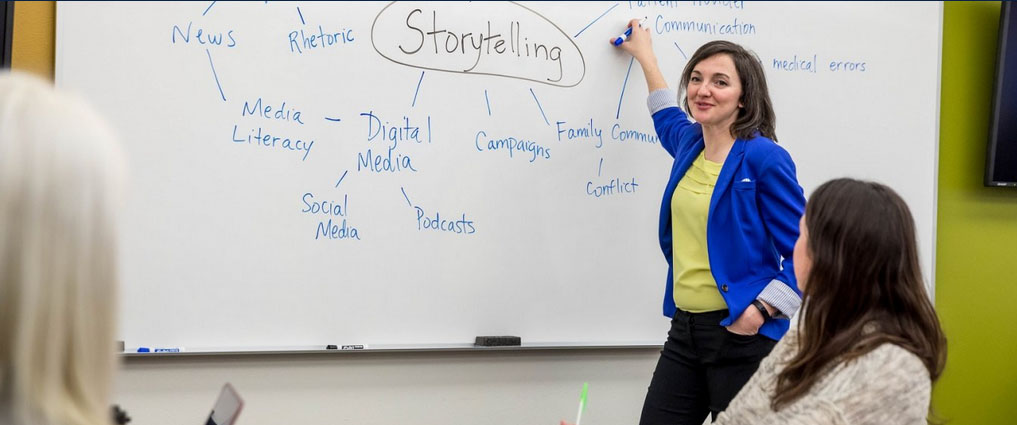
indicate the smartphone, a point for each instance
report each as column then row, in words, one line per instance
column 226, row 408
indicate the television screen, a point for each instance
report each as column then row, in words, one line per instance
column 1001, row 161
column 6, row 29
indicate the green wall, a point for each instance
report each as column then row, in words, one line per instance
column 976, row 266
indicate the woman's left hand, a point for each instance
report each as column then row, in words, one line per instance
column 748, row 323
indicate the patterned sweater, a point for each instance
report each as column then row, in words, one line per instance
column 888, row 385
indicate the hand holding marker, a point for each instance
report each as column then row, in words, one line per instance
column 582, row 399
column 582, row 405
column 628, row 32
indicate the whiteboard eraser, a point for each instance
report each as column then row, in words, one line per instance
column 497, row 341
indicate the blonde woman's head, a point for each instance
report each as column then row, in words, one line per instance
column 60, row 176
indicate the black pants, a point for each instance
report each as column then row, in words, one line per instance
column 701, row 368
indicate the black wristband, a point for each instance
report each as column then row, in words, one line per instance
column 762, row 309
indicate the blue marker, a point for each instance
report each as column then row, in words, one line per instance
column 625, row 36
column 160, row 350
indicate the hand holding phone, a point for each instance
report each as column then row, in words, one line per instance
column 226, row 408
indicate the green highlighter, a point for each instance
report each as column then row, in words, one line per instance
column 582, row 402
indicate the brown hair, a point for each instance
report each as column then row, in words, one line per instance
column 756, row 115
column 865, row 286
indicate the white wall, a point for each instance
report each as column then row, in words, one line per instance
column 490, row 388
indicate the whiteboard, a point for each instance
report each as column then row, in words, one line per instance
column 423, row 173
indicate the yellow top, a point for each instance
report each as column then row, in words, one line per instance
column 695, row 290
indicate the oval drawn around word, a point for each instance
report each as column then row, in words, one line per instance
column 504, row 39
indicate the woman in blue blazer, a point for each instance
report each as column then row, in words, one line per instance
column 728, row 224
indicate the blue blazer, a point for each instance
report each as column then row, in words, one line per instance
column 752, row 224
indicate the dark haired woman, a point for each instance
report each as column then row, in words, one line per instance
column 728, row 223
column 868, row 345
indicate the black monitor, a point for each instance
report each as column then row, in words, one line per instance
column 6, row 29
column 1001, row 160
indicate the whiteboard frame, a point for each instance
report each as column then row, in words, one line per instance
column 465, row 347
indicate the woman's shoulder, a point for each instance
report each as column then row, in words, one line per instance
column 761, row 154
column 887, row 364
column 886, row 385
column 760, row 147
column 888, row 374
column 894, row 360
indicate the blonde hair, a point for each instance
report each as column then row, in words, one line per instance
column 60, row 176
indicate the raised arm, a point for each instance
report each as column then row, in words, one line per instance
column 640, row 47
column 669, row 120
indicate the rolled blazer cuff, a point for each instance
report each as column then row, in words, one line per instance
column 781, row 297
column 661, row 99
